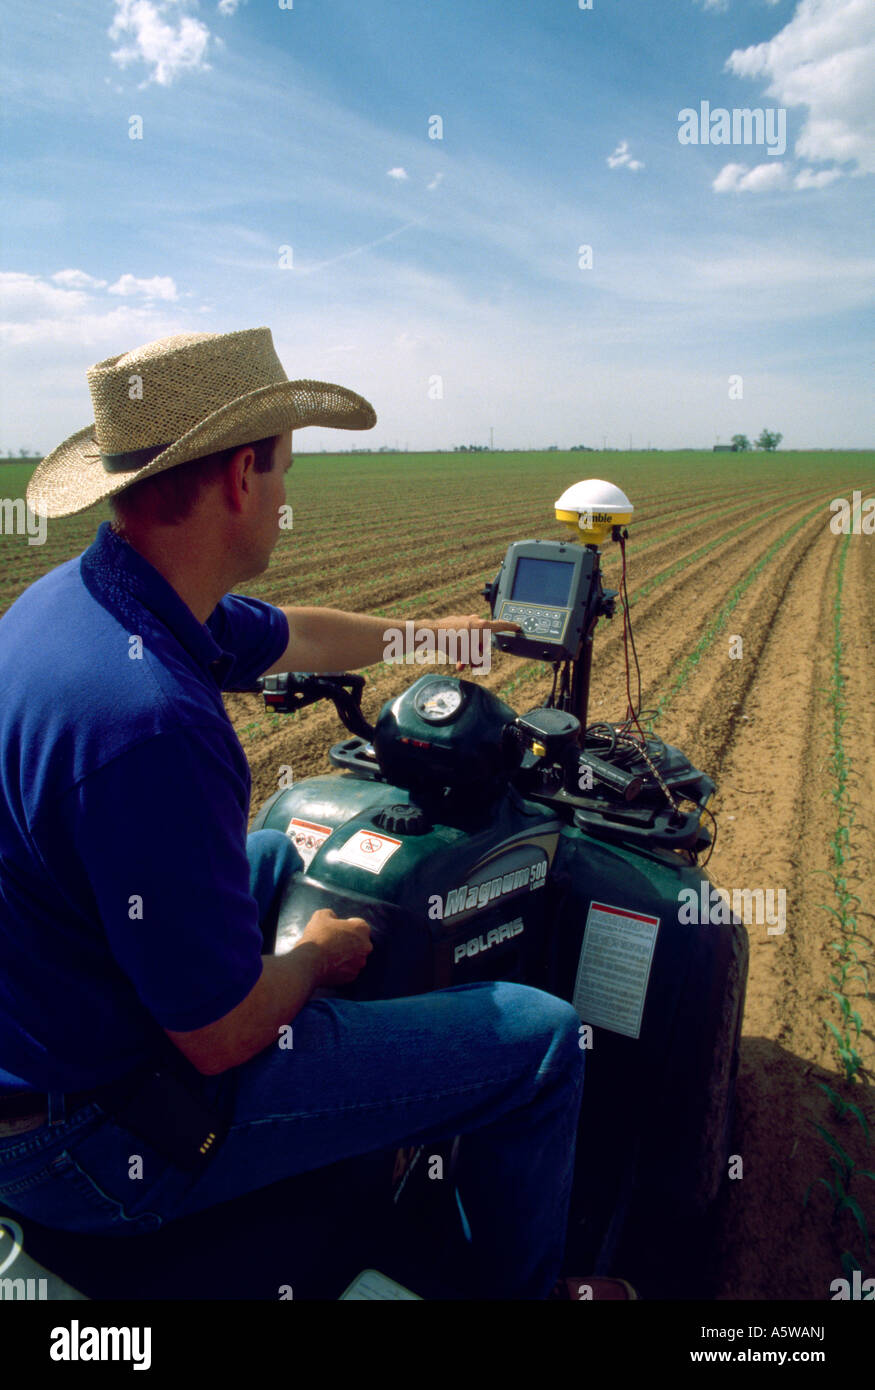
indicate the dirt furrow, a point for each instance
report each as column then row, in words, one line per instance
column 776, row 817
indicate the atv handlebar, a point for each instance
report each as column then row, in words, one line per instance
column 605, row 799
column 290, row 691
column 544, row 731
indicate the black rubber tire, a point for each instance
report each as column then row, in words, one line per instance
column 682, row 1166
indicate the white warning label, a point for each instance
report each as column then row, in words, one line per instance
column 368, row 850
column 372, row 1286
column 614, row 968
column 307, row 837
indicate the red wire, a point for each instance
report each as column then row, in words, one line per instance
column 631, row 713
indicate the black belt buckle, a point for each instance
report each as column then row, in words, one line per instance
column 174, row 1119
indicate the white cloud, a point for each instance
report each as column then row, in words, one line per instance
column 157, row 34
column 36, row 312
column 823, row 59
column 810, row 178
column 157, row 287
column 622, row 158
column 763, row 177
column 721, row 6
column 77, row 280
column 359, row 250
column 434, row 183
column 228, row 7
column 398, row 173
column 737, row 178
column 22, row 294
column 727, row 180
column 482, row 343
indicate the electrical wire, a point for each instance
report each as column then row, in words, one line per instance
column 552, row 699
column 627, row 743
column 708, row 812
column 624, row 735
column 628, row 635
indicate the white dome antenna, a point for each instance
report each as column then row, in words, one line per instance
column 592, row 508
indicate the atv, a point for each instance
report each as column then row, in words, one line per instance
column 482, row 844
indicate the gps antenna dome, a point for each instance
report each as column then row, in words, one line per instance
column 591, row 509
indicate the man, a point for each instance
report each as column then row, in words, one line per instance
column 138, row 1014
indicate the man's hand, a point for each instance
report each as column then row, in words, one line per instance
column 332, row 951
column 344, row 944
column 471, row 623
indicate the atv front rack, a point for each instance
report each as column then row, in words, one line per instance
column 626, row 802
column 356, row 755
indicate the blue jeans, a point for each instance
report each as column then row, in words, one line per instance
column 498, row 1063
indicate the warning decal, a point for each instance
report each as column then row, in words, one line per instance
column 368, row 850
column 614, row 968
column 307, row 837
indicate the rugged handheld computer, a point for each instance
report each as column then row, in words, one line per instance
column 546, row 587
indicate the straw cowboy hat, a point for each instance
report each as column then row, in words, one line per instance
column 178, row 399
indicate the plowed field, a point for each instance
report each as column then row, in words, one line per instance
column 720, row 548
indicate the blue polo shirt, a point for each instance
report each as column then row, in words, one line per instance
column 124, row 882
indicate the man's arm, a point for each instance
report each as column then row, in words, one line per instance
column 326, row 639
column 332, row 951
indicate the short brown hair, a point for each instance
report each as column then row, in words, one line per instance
column 170, row 496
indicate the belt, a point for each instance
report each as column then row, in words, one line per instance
column 21, row 1105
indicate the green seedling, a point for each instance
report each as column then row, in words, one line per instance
column 844, row 1107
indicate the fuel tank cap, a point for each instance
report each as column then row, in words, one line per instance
column 403, row 819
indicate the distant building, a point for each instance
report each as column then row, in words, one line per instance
column 725, row 449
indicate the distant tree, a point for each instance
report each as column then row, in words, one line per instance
column 741, row 443
column 768, row 440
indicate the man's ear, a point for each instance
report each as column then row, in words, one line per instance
column 238, row 476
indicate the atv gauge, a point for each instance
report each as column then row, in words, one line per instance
column 440, row 701
column 442, row 734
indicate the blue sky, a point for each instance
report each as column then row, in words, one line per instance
column 441, row 278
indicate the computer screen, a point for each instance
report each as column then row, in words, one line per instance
column 542, row 581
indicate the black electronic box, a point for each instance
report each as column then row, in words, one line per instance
column 545, row 587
